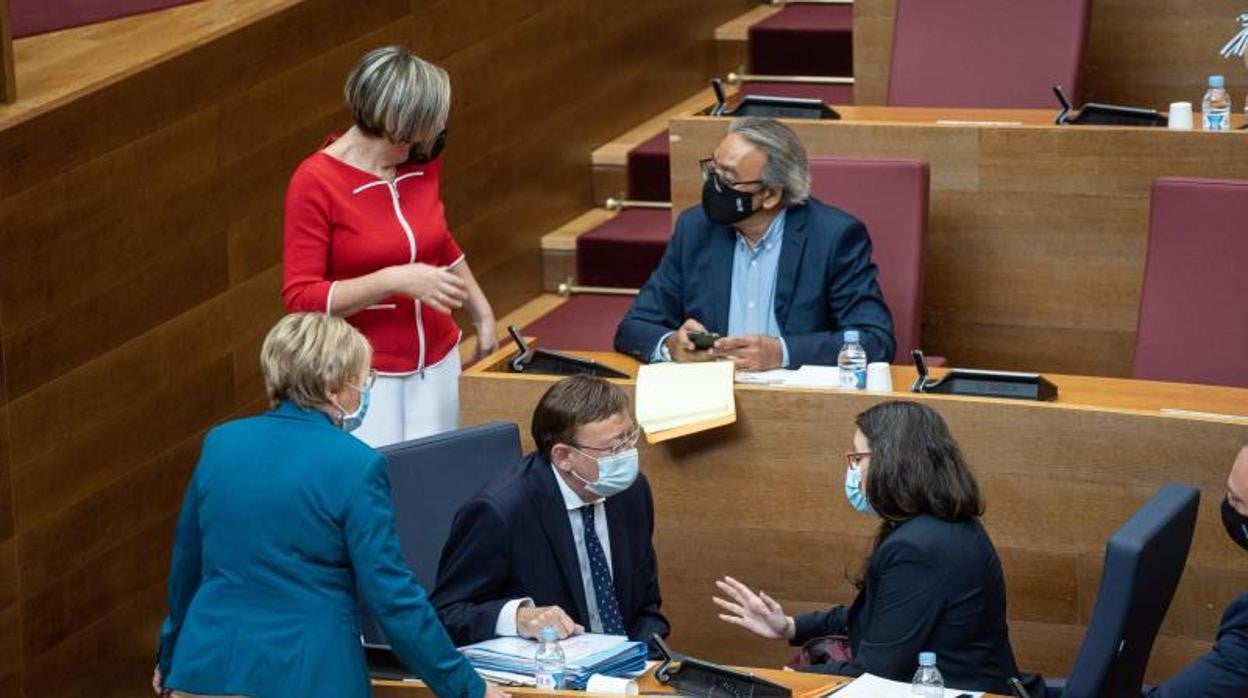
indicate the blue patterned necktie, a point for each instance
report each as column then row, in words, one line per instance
column 604, row 588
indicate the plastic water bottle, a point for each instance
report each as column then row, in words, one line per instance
column 853, row 363
column 1216, row 107
column 548, row 662
column 928, row 683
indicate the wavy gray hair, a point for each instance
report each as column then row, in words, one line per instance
column 394, row 93
column 786, row 166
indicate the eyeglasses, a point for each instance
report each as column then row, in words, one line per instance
column 628, row 441
column 368, row 381
column 854, row 458
column 711, row 172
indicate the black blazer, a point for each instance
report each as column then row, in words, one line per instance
column 931, row 586
column 1223, row 671
column 513, row 540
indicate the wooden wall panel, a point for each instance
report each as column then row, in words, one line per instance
column 1036, row 235
column 140, row 258
column 1139, row 52
column 8, row 79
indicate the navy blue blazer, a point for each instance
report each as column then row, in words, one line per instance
column 1223, row 672
column 931, row 586
column 285, row 517
column 826, row 283
column 513, row 540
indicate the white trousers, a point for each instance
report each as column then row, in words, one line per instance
column 402, row 408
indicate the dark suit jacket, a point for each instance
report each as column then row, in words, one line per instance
column 931, row 586
column 826, row 283
column 513, row 540
column 1223, row 672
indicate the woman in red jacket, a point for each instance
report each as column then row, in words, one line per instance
column 366, row 239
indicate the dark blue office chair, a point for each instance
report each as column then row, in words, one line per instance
column 430, row 479
column 1144, row 560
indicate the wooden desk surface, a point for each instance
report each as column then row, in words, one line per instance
column 1183, row 400
column 762, row 500
column 1037, row 233
column 803, row 685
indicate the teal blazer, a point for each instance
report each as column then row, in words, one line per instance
column 285, row 518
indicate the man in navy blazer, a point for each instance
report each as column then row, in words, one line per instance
column 777, row 274
column 1223, row 671
column 563, row 540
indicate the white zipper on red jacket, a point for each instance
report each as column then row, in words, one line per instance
column 393, row 188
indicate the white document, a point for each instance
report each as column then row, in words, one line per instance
column 871, row 686
column 807, row 376
column 671, row 395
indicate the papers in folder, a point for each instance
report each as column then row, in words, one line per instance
column 678, row 399
column 584, row 656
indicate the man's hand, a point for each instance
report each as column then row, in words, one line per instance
column 754, row 352
column 681, row 347
column 530, row 621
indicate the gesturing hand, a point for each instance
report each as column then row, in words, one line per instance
column 530, row 621
column 758, row 613
column 436, row 287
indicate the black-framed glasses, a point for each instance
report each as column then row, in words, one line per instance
column 711, row 172
column 628, row 441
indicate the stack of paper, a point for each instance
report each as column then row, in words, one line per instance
column 807, row 376
column 871, row 686
column 678, row 399
column 584, row 656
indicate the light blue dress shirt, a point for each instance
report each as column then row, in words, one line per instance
column 752, row 308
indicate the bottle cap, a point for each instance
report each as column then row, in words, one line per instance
column 927, row 659
column 1217, row 81
column 548, row 634
column 851, row 336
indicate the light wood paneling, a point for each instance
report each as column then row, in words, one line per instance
column 1037, row 234
column 760, row 500
column 1139, row 52
column 144, row 168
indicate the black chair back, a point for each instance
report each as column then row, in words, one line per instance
column 1144, row 560
column 430, row 479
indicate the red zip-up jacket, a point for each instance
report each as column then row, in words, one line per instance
column 342, row 223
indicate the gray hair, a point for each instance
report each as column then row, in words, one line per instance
column 396, row 94
column 786, row 166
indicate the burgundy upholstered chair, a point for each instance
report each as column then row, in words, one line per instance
column 987, row 53
column 891, row 198
column 1193, row 323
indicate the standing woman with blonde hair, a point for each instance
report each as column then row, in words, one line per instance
column 366, row 239
column 286, row 526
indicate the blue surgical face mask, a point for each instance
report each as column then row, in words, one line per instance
column 616, row 473
column 853, row 491
column 352, row 420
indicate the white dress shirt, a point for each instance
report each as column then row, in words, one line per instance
column 506, row 623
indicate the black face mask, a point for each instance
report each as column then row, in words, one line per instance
column 417, row 155
column 1236, row 524
column 724, row 205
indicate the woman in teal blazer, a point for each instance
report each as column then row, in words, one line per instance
column 285, row 518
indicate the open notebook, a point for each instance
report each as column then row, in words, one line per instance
column 678, row 399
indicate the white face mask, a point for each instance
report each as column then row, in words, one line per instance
column 616, row 472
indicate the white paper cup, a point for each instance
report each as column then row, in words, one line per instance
column 880, row 377
column 611, row 684
column 1180, row 116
